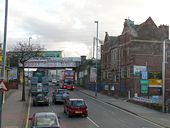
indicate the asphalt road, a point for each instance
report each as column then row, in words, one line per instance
column 100, row 115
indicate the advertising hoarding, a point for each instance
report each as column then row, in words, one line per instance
column 138, row 69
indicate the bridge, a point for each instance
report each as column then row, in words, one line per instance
column 66, row 62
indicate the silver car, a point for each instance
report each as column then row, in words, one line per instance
column 60, row 95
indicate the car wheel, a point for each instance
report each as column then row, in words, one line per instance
column 69, row 115
column 85, row 115
column 33, row 104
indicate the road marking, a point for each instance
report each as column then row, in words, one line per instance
column 138, row 116
column 93, row 122
column 28, row 113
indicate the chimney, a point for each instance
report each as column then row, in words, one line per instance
column 164, row 31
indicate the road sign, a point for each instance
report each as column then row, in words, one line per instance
column 2, row 86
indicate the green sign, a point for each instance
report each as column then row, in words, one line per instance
column 144, row 89
column 144, row 86
column 144, row 82
column 53, row 54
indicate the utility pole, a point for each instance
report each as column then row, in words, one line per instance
column 93, row 47
column 3, row 58
column 28, row 67
column 163, row 75
column 96, row 56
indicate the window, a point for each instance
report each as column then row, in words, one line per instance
column 128, row 72
column 122, row 73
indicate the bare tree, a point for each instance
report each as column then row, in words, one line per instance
column 24, row 51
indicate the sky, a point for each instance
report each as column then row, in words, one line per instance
column 68, row 25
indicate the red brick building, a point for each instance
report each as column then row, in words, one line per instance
column 138, row 45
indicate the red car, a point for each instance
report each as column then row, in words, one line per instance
column 75, row 107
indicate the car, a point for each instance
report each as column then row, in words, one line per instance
column 54, row 81
column 40, row 99
column 75, row 107
column 60, row 95
column 45, row 120
column 57, row 83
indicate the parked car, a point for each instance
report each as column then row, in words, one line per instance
column 75, row 107
column 60, row 95
column 44, row 120
column 40, row 99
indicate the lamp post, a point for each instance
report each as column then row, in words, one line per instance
column 4, row 57
column 96, row 55
column 29, row 48
column 163, row 75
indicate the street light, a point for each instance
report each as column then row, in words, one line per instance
column 4, row 57
column 96, row 55
column 163, row 75
column 29, row 40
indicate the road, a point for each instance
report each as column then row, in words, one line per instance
column 100, row 115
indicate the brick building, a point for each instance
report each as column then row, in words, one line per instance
column 138, row 45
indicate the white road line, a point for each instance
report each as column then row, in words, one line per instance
column 28, row 113
column 93, row 122
column 142, row 118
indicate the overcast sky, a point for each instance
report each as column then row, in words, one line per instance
column 68, row 25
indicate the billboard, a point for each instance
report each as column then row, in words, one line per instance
column 0, row 55
column 13, row 74
column 155, row 83
column 138, row 69
column 144, row 86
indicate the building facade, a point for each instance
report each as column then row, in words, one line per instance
column 139, row 46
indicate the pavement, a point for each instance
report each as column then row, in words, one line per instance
column 14, row 110
column 162, row 119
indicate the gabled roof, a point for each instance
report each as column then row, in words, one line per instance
column 149, row 21
column 110, row 39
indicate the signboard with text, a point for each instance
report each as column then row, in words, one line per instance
column 144, row 86
column 138, row 69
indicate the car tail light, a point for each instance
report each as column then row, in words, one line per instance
column 73, row 86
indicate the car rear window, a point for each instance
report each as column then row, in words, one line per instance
column 61, row 91
column 46, row 121
column 77, row 103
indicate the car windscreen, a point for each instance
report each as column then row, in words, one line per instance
column 77, row 103
column 46, row 121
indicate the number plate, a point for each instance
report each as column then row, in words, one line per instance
column 77, row 112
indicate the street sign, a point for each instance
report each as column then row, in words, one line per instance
column 2, row 86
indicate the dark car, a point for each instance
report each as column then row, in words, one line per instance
column 40, row 99
column 75, row 107
column 44, row 120
column 60, row 95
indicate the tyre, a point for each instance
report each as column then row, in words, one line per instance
column 33, row 104
column 69, row 115
column 86, row 115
